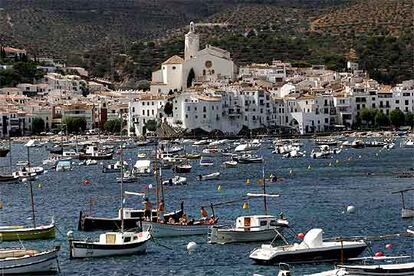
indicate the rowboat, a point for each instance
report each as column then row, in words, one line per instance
column 27, row 261
column 230, row 164
column 211, row 176
column 15, row 233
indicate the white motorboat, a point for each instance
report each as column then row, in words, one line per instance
column 110, row 244
column 201, row 143
column 311, row 249
column 26, row 261
column 110, row 168
column 406, row 268
column 175, row 181
column 91, row 162
column 142, row 167
column 70, row 153
column 230, row 164
column 206, row 162
column 409, row 143
column 294, row 154
column 248, row 229
column 211, row 176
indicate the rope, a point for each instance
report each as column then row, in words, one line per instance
column 159, row 244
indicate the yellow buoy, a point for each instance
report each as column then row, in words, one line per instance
column 245, row 205
column 247, row 181
column 219, row 188
column 336, row 161
column 39, row 185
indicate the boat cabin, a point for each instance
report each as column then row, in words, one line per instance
column 259, row 223
column 117, row 237
column 142, row 167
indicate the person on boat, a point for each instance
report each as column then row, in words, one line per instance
column 203, row 213
column 161, row 209
column 211, row 220
column 171, row 220
column 147, row 209
column 170, row 182
column 184, row 219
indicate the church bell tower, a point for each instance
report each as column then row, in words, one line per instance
column 192, row 43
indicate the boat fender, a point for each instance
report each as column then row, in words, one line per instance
column 350, row 209
column 301, row 236
column 191, row 246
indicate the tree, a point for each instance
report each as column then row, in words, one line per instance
column 113, row 126
column 151, row 125
column 381, row 119
column 168, row 108
column 409, row 119
column 368, row 115
column 74, row 124
column 38, row 125
column 397, row 117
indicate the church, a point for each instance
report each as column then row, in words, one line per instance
column 208, row 64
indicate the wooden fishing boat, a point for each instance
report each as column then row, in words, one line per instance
column 165, row 230
column 27, row 261
column 16, row 233
column 132, row 220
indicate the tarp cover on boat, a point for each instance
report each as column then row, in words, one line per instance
column 313, row 238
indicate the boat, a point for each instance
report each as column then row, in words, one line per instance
column 128, row 177
column 248, row 229
column 408, row 143
column 141, row 155
column 132, row 219
column 230, row 164
column 111, row 168
column 211, row 176
column 8, row 178
column 206, row 162
column 329, row 142
column 357, row 144
column 164, row 230
column 192, row 156
column 28, row 261
column 111, row 243
column 4, row 151
column 93, row 153
column 182, row 168
column 56, row 150
column 173, row 149
column 254, row 145
column 175, row 181
column 19, row 232
column 311, row 249
column 249, row 158
column 201, row 142
column 91, row 162
column 405, row 212
column 142, row 167
column 294, row 154
column 374, row 269
column 63, row 165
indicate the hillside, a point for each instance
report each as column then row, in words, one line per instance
column 124, row 40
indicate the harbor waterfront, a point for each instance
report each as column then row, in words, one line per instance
column 314, row 193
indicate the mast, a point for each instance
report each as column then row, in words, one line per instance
column 157, row 187
column 10, row 157
column 28, row 145
column 264, row 188
column 122, row 186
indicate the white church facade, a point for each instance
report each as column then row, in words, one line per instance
column 209, row 64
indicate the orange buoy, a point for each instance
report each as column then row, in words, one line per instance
column 301, row 236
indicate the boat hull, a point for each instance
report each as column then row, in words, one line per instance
column 81, row 249
column 4, row 152
column 39, row 263
column 87, row 223
column 163, row 230
column 95, row 157
column 407, row 213
column 38, row 233
column 223, row 236
column 314, row 256
column 377, row 270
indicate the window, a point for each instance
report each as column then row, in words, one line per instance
column 204, row 116
column 173, row 67
column 196, row 116
column 153, row 103
column 397, row 101
column 204, row 109
column 133, row 109
column 188, row 108
column 143, row 112
column 273, row 223
column 406, row 102
column 195, row 108
column 186, row 115
column 263, row 223
column 127, row 239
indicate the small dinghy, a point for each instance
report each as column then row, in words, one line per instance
column 210, row 176
column 311, row 249
column 206, row 162
column 26, row 261
column 183, row 168
column 230, row 164
column 175, row 181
